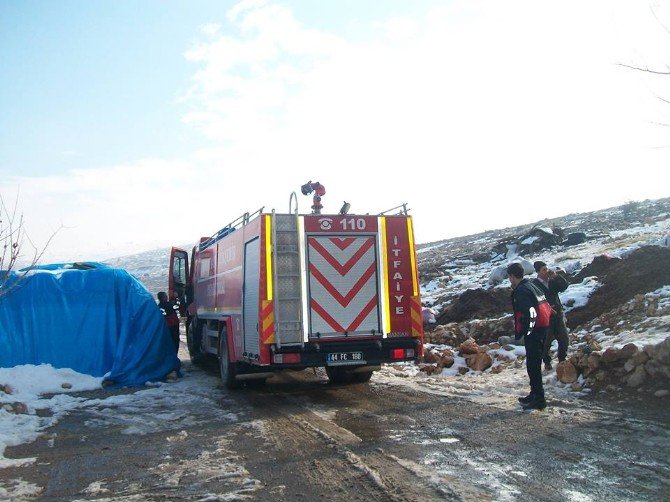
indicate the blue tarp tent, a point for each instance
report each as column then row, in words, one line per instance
column 91, row 318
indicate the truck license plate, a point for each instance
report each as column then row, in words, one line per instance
column 334, row 358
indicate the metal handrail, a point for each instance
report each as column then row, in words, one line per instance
column 236, row 223
column 403, row 211
column 290, row 203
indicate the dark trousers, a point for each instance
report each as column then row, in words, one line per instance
column 534, row 344
column 557, row 330
column 174, row 332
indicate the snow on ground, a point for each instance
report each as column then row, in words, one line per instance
column 168, row 407
column 39, row 388
column 156, row 407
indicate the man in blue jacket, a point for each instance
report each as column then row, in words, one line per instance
column 531, row 320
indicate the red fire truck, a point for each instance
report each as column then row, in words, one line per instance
column 274, row 291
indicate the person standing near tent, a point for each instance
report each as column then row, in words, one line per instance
column 169, row 310
column 551, row 284
column 531, row 320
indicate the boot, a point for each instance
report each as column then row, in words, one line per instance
column 527, row 399
column 538, row 403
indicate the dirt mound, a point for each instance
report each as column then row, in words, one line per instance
column 477, row 304
column 644, row 270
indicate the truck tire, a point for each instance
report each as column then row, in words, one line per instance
column 194, row 342
column 227, row 369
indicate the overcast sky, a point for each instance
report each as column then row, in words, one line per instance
column 139, row 124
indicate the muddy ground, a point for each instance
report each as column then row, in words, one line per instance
column 299, row 438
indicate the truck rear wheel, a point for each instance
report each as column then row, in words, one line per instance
column 227, row 369
column 194, row 342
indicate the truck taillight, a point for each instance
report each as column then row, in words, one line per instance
column 292, row 358
column 402, row 353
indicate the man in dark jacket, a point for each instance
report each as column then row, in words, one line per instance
column 169, row 310
column 551, row 284
column 531, row 320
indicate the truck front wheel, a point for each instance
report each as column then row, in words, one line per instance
column 226, row 368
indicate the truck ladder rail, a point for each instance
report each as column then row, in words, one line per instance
column 404, row 210
column 236, row 223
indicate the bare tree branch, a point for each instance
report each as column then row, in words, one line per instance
column 646, row 70
column 653, row 12
column 12, row 239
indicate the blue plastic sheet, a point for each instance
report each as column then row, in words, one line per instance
column 99, row 321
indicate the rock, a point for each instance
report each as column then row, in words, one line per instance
column 7, row 389
column 430, row 369
column 566, row 372
column 494, row 345
column 655, row 369
column 172, row 376
column 462, row 370
column 600, row 375
column 509, row 347
column 629, row 366
column 20, row 408
column 627, row 351
column 480, row 362
column 637, row 378
column 640, row 357
column 610, row 356
column 663, row 352
column 468, row 347
column 498, row 275
column 662, row 393
column 16, row 407
column 430, row 356
column 593, row 361
column 576, row 386
column 446, row 359
column 497, row 369
column 505, row 357
column 66, row 385
column 650, row 350
column 594, row 345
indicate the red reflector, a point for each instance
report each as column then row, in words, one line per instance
column 397, row 353
column 292, row 358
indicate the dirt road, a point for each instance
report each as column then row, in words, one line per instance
column 299, row 438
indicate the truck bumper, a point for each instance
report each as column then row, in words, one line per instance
column 365, row 355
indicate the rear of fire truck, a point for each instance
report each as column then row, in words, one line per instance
column 302, row 291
